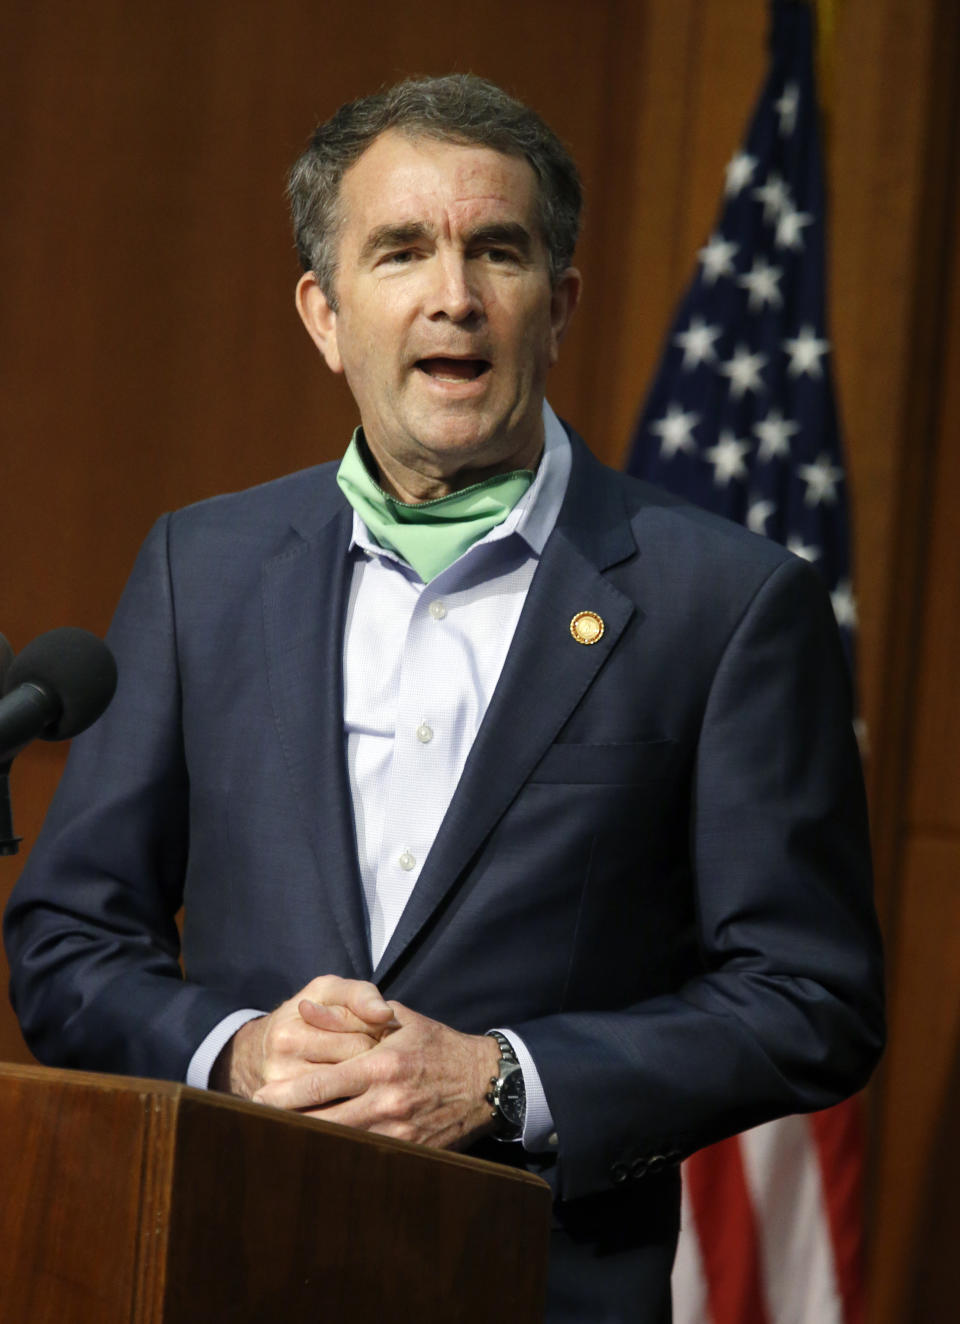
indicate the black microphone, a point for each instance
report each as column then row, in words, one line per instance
column 55, row 688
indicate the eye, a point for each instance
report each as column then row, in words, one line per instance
column 399, row 257
column 499, row 256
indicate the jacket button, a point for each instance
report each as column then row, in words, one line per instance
column 638, row 1168
column 618, row 1172
column 655, row 1162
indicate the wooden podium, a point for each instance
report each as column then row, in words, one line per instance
column 146, row 1201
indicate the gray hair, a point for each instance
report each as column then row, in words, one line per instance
column 458, row 108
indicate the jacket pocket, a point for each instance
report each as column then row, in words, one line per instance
column 622, row 764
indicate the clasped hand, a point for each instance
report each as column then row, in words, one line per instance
column 339, row 1051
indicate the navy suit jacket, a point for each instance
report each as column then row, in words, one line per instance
column 655, row 867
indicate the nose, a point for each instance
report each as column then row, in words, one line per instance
column 453, row 293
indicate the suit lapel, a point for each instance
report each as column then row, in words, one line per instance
column 304, row 603
column 545, row 675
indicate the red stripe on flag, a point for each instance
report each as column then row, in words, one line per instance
column 727, row 1232
column 838, row 1134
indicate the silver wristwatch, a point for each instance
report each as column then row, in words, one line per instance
column 507, row 1093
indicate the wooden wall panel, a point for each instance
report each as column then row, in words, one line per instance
column 933, row 1289
column 934, row 798
column 153, row 355
column 877, row 162
column 924, row 1034
column 919, row 1127
column 696, row 79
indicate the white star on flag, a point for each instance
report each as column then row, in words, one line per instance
column 727, row 458
column 758, row 514
column 775, row 432
column 806, row 350
column 789, row 228
column 717, row 258
column 762, row 281
column 821, row 479
column 697, row 343
column 799, row 548
column 739, row 173
column 675, row 431
column 744, row 371
column 844, row 605
column 787, row 108
column 775, row 196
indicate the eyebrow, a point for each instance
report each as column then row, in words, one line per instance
column 391, row 235
column 511, row 233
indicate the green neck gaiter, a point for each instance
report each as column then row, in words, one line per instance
column 429, row 535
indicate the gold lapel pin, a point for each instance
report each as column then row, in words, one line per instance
column 587, row 627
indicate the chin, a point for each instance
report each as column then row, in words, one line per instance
column 466, row 439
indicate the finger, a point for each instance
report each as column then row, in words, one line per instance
column 340, row 1019
column 342, row 1049
column 357, row 995
column 360, row 1114
column 314, row 1088
column 325, row 1047
column 389, row 1113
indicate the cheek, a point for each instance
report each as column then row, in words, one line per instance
column 364, row 354
column 359, row 372
column 536, row 349
column 524, row 330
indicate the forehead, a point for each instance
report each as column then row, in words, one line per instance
column 401, row 178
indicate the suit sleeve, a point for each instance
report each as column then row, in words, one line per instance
column 91, row 928
column 786, row 1012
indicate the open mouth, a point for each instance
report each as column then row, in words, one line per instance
column 453, row 370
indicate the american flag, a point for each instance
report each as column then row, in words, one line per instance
column 741, row 418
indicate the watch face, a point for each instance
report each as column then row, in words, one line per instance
column 512, row 1098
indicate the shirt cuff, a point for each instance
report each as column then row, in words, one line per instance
column 201, row 1064
column 538, row 1133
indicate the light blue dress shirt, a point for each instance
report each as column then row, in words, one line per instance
column 420, row 664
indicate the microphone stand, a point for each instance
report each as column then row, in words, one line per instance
column 9, row 844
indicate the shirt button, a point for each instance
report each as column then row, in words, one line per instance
column 437, row 610
column 424, row 733
column 553, row 1140
column 406, row 861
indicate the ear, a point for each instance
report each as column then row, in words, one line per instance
column 319, row 319
column 563, row 302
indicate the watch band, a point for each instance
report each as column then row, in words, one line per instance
column 506, row 1047
column 506, row 1093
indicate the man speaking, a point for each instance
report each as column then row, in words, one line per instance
column 513, row 804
